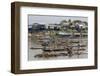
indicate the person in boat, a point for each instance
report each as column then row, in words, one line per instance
column 69, row 50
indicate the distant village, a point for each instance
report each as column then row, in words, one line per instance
column 65, row 26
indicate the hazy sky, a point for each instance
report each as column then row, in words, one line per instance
column 45, row 19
